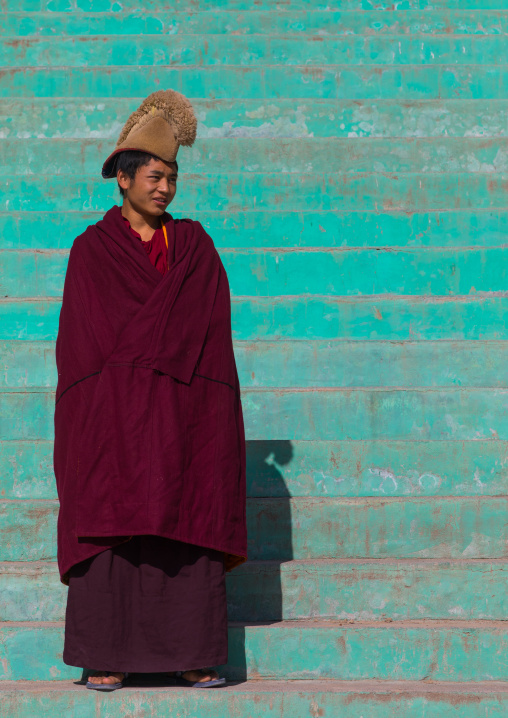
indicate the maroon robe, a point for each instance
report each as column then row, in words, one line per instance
column 155, row 247
column 149, row 435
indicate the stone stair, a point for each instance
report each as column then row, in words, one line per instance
column 351, row 166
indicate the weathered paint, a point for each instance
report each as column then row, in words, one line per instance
column 293, row 272
column 259, row 699
column 331, row 414
column 396, row 653
column 314, row 468
column 117, row 6
column 285, row 191
column 305, row 363
column 206, row 50
column 274, row 117
column 270, row 228
column 304, row 528
column 365, row 591
column 443, row 651
column 357, row 414
column 245, row 21
column 252, row 155
column 390, row 318
column 293, row 590
column 412, row 82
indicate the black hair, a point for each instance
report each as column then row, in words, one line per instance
column 130, row 161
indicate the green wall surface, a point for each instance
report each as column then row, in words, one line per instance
column 351, row 166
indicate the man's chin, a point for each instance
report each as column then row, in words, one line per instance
column 156, row 210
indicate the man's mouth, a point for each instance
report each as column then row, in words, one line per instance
column 159, row 200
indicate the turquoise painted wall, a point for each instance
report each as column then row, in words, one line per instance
column 351, row 166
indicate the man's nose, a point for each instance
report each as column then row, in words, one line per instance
column 163, row 186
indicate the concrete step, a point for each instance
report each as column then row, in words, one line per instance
column 102, row 118
column 337, row 413
column 62, row 156
column 456, row 651
column 291, row 192
column 303, row 364
column 326, row 469
column 150, row 695
column 328, row 588
column 267, row 49
column 382, row 6
column 398, row 82
column 270, row 228
column 359, row 590
column 384, row 318
column 248, row 22
column 276, row 272
column 301, row 528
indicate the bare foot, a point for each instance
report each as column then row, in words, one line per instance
column 101, row 677
column 199, row 675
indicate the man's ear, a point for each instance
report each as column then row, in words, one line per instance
column 123, row 179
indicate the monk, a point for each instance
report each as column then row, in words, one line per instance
column 149, row 451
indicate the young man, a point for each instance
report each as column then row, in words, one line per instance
column 149, row 440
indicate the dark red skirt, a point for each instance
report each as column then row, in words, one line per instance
column 150, row 604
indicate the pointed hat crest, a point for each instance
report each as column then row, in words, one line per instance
column 164, row 121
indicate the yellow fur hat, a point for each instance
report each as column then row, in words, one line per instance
column 163, row 122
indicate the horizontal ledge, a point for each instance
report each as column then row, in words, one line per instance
column 459, row 174
column 319, row 623
column 350, row 175
column 408, row 688
column 403, row 624
column 421, row 562
column 309, row 139
column 234, row 213
column 289, row 565
column 340, row 500
column 499, row 442
column 305, row 389
column 282, row 7
column 273, row 100
column 310, row 249
column 328, row 343
column 310, row 34
column 491, row 440
column 49, row 99
column 331, row 298
column 261, row 68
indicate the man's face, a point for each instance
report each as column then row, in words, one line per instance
column 152, row 188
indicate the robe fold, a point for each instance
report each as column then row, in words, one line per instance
column 149, row 434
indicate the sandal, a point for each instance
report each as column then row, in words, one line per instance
column 107, row 686
column 214, row 682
